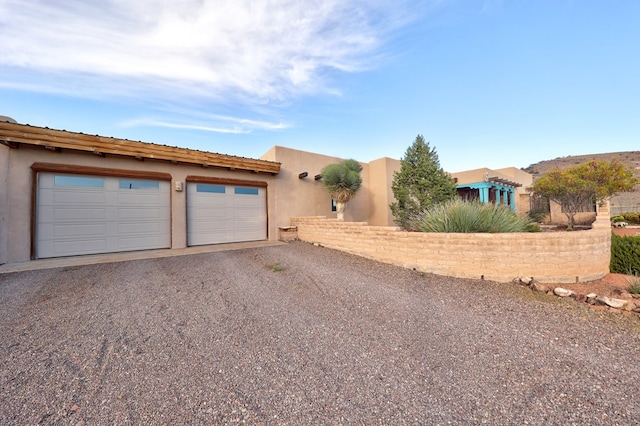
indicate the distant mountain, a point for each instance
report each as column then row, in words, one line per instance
column 625, row 202
column 632, row 158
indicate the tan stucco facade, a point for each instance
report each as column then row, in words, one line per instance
column 17, row 196
column 289, row 176
column 295, row 196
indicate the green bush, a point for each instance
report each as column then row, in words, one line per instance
column 538, row 215
column 473, row 217
column 618, row 218
column 625, row 255
column 631, row 217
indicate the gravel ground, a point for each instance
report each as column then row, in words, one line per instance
column 298, row 334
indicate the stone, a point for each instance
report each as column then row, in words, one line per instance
column 562, row 292
column 580, row 297
column 630, row 306
column 522, row 280
column 539, row 287
column 610, row 301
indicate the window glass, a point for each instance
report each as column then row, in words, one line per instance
column 334, row 206
column 83, row 181
column 216, row 189
column 139, row 184
column 246, row 191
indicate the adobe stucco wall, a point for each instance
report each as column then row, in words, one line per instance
column 296, row 197
column 16, row 207
column 553, row 257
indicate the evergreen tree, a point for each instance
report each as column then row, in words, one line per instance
column 420, row 184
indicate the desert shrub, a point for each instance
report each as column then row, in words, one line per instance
column 537, row 215
column 461, row 216
column 617, row 219
column 632, row 217
column 625, row 255
column 634, row 285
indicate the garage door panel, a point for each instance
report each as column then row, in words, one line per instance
column 140, row 229
column 84, row 246
column 205, row 214
column 80, row 230
column 140, row 213
column 78, row 214
column 86, row 230
column 232, row 214
column 139, row 243
column 137, row 198
column 84, row 197
column 75, row 220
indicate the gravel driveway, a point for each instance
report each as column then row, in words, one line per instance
column 298, row 334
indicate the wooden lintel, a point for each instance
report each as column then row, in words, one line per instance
column 12, row 145
column 12, row 135
column 53, row 148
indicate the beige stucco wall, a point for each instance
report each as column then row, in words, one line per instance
column 4, row 202
column 553, row 257
column 16, row 209
column 559, row 218
column 307, row 197
column 381, row 173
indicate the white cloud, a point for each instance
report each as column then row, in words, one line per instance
column 239, row 125
column 260, row 50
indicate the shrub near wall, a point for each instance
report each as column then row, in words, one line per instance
column 552, row 257
column 625, row 255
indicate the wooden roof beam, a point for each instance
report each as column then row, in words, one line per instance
column 12, row 145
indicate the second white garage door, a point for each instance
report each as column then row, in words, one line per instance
column 225, row 213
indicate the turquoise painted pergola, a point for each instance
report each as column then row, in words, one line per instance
column 494, row 190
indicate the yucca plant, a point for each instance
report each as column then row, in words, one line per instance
column 342, row 181
column 461, row 216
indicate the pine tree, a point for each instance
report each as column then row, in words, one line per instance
column 420, row 184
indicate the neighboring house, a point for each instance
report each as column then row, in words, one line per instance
column 506, row 186
column 64, row 193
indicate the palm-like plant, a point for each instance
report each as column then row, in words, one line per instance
column 342, row 181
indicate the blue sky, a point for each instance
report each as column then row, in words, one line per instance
column 488, row 83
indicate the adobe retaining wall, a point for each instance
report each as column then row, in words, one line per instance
column 551, row 257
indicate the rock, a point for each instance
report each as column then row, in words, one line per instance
column 610, row 301
column 591, row 298
column 522, row 280
column 580, row 297
column 539, row 287
column 630, row 306
column 562, row 292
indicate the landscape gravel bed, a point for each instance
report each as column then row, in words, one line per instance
column 300, row 334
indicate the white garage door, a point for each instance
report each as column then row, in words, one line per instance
column 225, row 213
column 79, row 214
